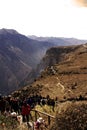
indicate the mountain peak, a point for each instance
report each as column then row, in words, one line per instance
column 5, row 31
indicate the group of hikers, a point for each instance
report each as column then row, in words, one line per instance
column 13, row 106
column 15, row 103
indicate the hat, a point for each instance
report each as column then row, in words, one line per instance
column 13, row 114
column 40, row 120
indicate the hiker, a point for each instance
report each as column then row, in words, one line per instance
column 7, row 112
column 25, row 111
column 39, row 124
column 2, row 105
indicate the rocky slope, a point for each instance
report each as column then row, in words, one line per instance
column 64, row 73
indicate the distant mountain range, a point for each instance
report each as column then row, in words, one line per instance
column 19, row 55
column 60, row 41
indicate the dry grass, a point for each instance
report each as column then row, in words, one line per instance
column 71, row 117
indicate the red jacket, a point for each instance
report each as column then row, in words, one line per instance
column 26, row 110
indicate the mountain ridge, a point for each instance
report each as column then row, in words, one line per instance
column 68, row 41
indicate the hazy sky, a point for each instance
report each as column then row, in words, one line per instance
column 59, row 18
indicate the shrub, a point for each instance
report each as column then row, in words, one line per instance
column 73, row 118
column 8, row 123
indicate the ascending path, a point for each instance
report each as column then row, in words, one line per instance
column 60, row 85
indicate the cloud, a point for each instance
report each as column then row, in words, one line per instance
column 82, row 3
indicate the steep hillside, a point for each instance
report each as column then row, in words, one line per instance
column 65, row 73
column 70, row 70
column 30, row 51
column 18, row 56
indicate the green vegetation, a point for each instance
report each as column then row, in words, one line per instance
column 7, row 123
